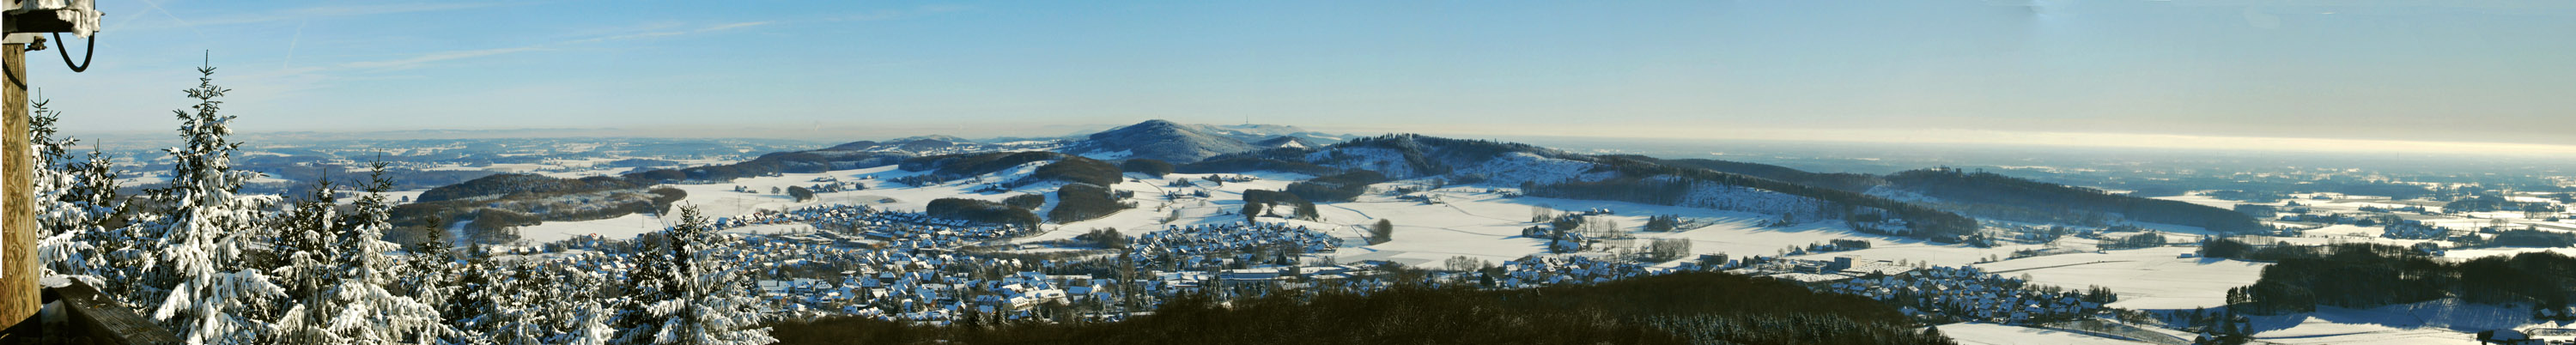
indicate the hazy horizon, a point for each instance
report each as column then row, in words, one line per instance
column 2448, row 77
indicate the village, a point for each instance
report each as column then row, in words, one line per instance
column 863, row 261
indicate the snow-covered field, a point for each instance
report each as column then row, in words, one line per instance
column 2437, row 322
column 1476, row 223
column 2146, row 279
column 1994, row 334
column 2202, row 200
column 1468, row 221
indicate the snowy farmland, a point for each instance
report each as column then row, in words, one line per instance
column 2147, row 279
column 1994, row 334
column 1486, row 224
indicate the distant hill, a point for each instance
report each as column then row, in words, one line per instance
column 1284, row 142
column 776, row 163
column 1547, row 172
column 2002, row 197
column 492, row 204
column 1928, row 204
column 1261, row 132
column 923, row 145
column 1162, row 140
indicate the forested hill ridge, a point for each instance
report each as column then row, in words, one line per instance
column 1155, row 139
column 1991, row 195
column 1546, row 172
column 1933, row 203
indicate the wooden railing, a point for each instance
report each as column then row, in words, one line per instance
column 76, row 313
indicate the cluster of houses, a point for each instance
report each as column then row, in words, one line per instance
column 1226, row 245
column 2329, row 218
column 894, row 229
column 909, row 270
column 1541, row 270
column 1812, row 271
column 1967, row 294
column 1560, row 241
column 829, row 184
column 2414, row 230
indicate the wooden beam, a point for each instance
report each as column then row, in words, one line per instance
column 19, row 297
column 103, row 321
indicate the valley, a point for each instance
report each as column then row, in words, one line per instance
column 1462, row 215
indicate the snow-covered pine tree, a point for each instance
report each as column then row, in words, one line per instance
column 430, row 276
column 304, row 241
column 199, row 227
column 581, row 315
column 592, row 327
column 646, row 282
column 359, row 308
column 472, row 302
column 518, row 306
column 714, row 304
column 74, row 200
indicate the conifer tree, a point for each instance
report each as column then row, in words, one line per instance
column 581, row 315
column 359, row 306
column 510, row 310
column 75, row 198
column 471, row 302
column 430, row 275
column 712, row 302
column 199, row 227
column 304, row 241
column 647, row 283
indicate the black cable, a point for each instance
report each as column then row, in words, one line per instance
column 13, row 77
column 86, row 53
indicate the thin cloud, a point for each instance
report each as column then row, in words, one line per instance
column 308, row 13
column 417, row 61
column 721, row 27
column 388, row 8
column 434, row 57
column 900, row 14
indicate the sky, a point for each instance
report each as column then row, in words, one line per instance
column 2347, row 75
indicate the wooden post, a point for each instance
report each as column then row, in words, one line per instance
column 19, row 297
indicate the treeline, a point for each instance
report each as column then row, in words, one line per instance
column 1842, row 181
column 981, row 211
column 402, row 178
column 2358, row 275
column 1423, row 155
column 2530, row 238
column 1083, row 201
column 1075, row 169
column 2148, row 239
column 1665, row 309
column 2050, row 198
column 1149, row 167
column 773, row 164
column 1427, row 155
column 1262, row 202
column 1336, row 188
column 493, row 219
column 2492, row 203
column 1636, row 185
column 2234, row 189
column 1237, row 164
column 505, row 184
column 1636, row 189
column 2006, row 197
column 497, row 204
column 972, row 164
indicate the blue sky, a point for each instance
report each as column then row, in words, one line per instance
column 2379, row 73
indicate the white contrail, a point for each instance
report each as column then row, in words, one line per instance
column 156, row 7
column 290, row 44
